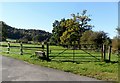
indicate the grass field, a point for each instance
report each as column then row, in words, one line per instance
column 85, row 65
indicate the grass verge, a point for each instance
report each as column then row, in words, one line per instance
column 99, row 70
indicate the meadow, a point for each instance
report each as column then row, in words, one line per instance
column 82, row 63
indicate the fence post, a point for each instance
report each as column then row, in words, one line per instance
column 43, row 46
column 47, row 51
column 21, row 49
column 109, row 52
column 104, row 52
column 73, row 51
column 8, row 48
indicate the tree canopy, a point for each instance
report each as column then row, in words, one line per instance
column 77, row 30
column 116, row 42
column 23, row 34
column 67, row 31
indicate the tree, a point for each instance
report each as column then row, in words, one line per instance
column 118, row 31
column 116, row 42
column 75, row 28
column 95, row 37
column 87, row 37
column 4, row 30
column 58, row 29
column 71, row 33
column 68, row 31
column 55, row 32
column 19, row 34
column 83, row 20
column 99, row 37
column 36, row 38
column 0, row 31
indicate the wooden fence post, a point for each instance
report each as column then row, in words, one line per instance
column 8, row 48
column 109, row 52
column 43, row 46
column 104, row 52
column 73, row 54
column 47, row 51
column 73, row 51
column 21, row 49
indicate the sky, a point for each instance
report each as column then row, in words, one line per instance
column 41, row 15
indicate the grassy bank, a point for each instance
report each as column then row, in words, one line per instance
column 99, row 70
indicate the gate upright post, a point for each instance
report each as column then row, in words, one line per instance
column 21, row 49
column 73, row 51
column 43, row 46
column 104, row 52
column 109, row 52
column 8, row 47
column 47, row 51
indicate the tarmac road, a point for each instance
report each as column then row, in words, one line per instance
column 16, row 70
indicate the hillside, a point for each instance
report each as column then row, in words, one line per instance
column 23, row 34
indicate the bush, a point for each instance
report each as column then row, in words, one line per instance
column 115, row 45
column 22, row 40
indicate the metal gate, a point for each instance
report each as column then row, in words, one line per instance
column 88, row 53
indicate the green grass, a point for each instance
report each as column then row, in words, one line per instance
column 86, row 66
column 11, row 40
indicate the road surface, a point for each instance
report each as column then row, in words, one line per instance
column 16, row 70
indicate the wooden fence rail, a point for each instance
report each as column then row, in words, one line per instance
column 47, row 51
column 21, row 48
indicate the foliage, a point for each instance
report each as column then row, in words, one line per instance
column 99, row 37
column 87, row 37
column 116, row 42
column 118, row 31
column 58, row 29
column 95, row 37
column 3, row 28
column 70, row 30
column 23, row 34
column 77, row 30
column 22, row 40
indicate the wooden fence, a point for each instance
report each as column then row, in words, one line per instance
column 49, row 52
column 21, row 48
